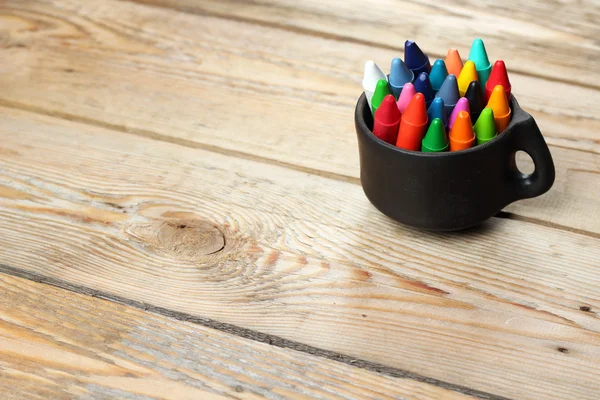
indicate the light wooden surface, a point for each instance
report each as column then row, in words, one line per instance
column 59, row 345
column 197, row 160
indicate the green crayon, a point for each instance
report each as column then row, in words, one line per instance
column 435, row 139
column 485, row 128
column 381, row 90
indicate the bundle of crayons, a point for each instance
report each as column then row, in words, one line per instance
column 432, row 109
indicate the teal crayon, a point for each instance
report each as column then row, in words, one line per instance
column 483, row 66
column 438, row 74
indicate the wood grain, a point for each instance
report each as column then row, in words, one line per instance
column 509, row 308
column 555, row 40
column 56, row 344
column 200, row 81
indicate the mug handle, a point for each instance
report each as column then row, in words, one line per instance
column 527, row 137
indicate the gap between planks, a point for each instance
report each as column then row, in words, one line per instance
column 252, row 157
column 247, row 333
column 332, row 36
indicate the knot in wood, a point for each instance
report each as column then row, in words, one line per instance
column 189, row 238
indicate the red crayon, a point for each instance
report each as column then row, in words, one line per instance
column 413, row 125
column 387, row 120
column 499, row 76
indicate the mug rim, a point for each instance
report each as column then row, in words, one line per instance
column 518, row 116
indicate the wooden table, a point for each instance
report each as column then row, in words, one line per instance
column 181, row 215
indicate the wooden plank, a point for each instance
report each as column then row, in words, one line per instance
column 157, row 73
column 508, row 308
column 557, row 41
column 61, row 345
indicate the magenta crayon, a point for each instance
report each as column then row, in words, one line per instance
column 387, row 120
column 406, row 96
column 415, row 59
column 461, row 105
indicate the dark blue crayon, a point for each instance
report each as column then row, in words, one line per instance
column 475, row 97
column 415, row 59
column 423, row 85
column 449, row 92
column 400, row 75
column 438, row 74
column 437, row 110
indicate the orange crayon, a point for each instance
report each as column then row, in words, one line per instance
column 499, row 104
column 413, row 125
column 454, row 63
column 461, row 135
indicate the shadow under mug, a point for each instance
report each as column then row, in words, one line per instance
column 451, row 190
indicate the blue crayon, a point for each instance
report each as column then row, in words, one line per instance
column 449, row 93
column 437, row 110
column 423, row 85
column 438, row 74
column 415, row 59
column 400, row 75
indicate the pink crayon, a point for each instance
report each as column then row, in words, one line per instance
column 461, row 105
column 408, row 91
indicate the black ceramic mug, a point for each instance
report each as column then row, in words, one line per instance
column 451, row 190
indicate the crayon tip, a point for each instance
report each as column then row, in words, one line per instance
column 454, row 63
column 415, row 59
column 371, row 75
column 423, row 85
column 416, row 113
column 461, row 105
column 479, row 55
column 437, row 110
column 435, row 139
column 485, row 128
column 499, row 104
column 499, row 76
column 387, row 120
column 467, row 75
column 498, row 101
column 461, row 135
column 399, row 76
column 381, row 90
column 475, row 97
column 449, row 92
column 406, row 96
column 438, row 74
column 387, row 112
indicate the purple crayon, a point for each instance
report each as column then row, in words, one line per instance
column 461, row 105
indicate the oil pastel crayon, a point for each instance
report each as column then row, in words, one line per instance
column 415, row 59
column 499, row 104
column 423, row 85
column 437, row 110
column 435, row 139
column 475, row 96
column 381, row 90
column 467, row 75
column 461, row 135
column 499, row 76
column 406, row 96
column 461, row 105
column 400, row 75
column 387, row 120
column 454, row 63
column 449, row 93
column 438, row 74
column 413, row 124
column 479, row 56
column 372, row 74
column 485, row 127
